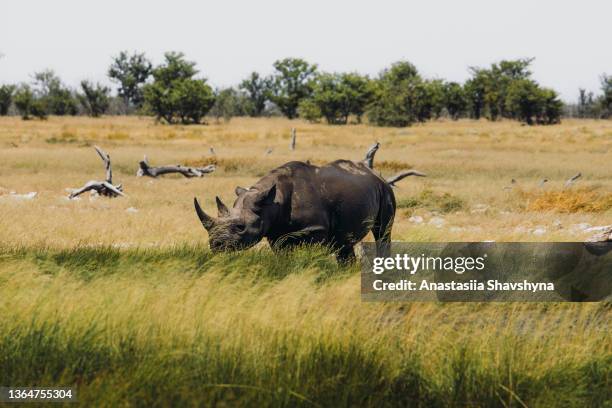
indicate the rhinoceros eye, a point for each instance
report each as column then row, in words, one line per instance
column 239, row 228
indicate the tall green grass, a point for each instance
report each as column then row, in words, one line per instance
column 184, row 327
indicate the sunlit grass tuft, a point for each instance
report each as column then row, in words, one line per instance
column 568, row 200
column 430, row 200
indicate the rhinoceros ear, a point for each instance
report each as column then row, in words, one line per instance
column 266, row 196
column 239, row 190
column 221, row 208
column 207, row 221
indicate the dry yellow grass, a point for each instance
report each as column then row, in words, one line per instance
column 470, row 160
column 568, row 201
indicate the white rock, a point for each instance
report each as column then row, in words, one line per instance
column 132, row 210
column 120, row 245
column 26, row 196
column 416, row 219
column 438, row 222
column 479, row 209
column 598, row 229
column 539, row 231
column 580, row 227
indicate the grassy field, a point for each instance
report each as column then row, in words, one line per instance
column 122, row 299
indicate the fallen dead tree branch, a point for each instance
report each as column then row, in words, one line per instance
column 105, row 188
column 154, row 171
column 369, row 162
column 369, row 157
column 392, row 180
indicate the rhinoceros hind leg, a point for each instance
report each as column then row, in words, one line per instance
column 346, row 254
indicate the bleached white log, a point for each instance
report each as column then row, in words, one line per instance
column 155, row 171
column 404, row 174
column 369, row 157
column 105, row 188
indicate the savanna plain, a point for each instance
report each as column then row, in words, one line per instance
column 121, row 298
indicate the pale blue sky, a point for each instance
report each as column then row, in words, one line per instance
column 571, row 40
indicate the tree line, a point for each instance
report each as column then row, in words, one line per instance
column 175, row 92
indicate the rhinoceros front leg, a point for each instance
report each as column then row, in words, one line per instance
column 310, row 235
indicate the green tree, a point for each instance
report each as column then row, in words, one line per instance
column 336, row 96
column 292, row 82
column 95, row 98
column 500, row 78
column 530, row 103
column 605, row 101
column 475, row 89
column 175, row 95
column 131, row 73
column 6, row 98
column 331, row 96
column 487, row 89
column 523, row 100
column 28, row 105
column 455, row 100
column 192, row 99
column 513, row 69
column 258, row 91
column 229, row 103
column 360, row 91
column 57, row 98
column 309, row 110
column 400, row 97
column 176, row 67
column 551, row 107
column 436, row 91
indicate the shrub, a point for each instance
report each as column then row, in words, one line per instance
column 62, row 102
column 95, row 98
column 57, row 98
column 445, row 202
column 310, row 111
column 28, row 105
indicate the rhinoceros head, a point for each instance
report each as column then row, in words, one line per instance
column 242, row 226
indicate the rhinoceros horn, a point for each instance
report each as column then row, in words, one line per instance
column 207, row 221
column 222, row 208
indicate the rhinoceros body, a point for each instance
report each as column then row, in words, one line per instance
column 297, row 203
